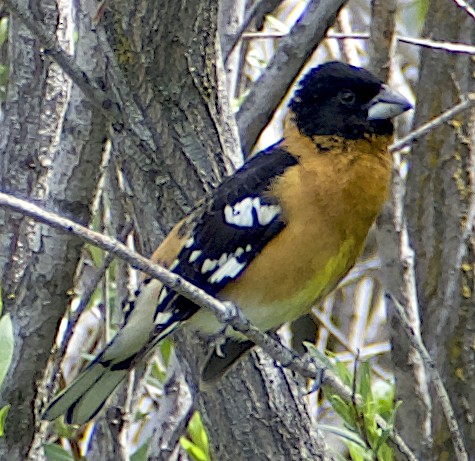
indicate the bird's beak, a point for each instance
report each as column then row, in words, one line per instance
column 387, row 104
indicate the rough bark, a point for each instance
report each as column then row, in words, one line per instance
column 162, row 67
column 50, row 146
column 382, row 26
column 171, row 65
column 439, row 194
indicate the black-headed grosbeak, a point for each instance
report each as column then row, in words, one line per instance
column 274, row 238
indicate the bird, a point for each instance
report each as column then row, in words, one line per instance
column 273, row 238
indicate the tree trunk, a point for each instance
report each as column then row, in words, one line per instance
column 186, row 112
column 439, row 197
column 51, row 146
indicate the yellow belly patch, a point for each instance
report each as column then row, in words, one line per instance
column 266, row 314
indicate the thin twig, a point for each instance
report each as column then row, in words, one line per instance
column 98, row 98
column 231, row 42
column 442, row 393
column 467, row 102
column 104, row 101
column 452, row 47
column 226, row 312
column 466, row 7
column 270, row 35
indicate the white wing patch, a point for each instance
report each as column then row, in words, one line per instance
column 174, row 265
column 163, row 295
column 242, row 213
column 222, row 259
column 265, row 213
column 162, row 318
column 208, row 265
column 230, row 268
column 194, row 256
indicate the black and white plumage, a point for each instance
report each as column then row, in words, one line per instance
column 273, row 238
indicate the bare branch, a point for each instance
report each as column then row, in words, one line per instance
column 468, row 101
column 442, row 393
column 98, row 98
column 232, row 41
column 466, row 7
column 451, row 47
column 104, row 101
column 290, row 57
column 445, row 46
column 225, row 312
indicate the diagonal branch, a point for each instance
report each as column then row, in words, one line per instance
column 466, row 7
column 442, row 393
column 467, row 102
column 97, row 97
column 293, row 52
column 226, row 312
column 107, row 103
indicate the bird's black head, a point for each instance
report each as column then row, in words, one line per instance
column 339, row 99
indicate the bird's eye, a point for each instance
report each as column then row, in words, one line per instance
column 347, row 97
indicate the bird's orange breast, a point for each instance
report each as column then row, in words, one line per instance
column 329, row 201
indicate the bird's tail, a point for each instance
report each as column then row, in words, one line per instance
column 143, row 329
column 87, row 394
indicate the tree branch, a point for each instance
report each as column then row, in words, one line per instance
column 442, row 393
column 466, row 7
column 104, row 101
column 225, row 312
column 289, row 59
column 451, row 47
column 98, row 98
column 467, row 102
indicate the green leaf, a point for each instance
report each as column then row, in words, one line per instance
column 383, row 394
column 345, row 410
column 342, row 371
column 157, row 375
column 197, row 432
column 385, row 453
column 6, row 345
column 64, row 430
column 96, row 254
column 3, row 417
column 3, row 30
column 346, row 434
column 358, row 453
column 319, row 355
column 166, row 347
column 193, row 450
column 365, row 382
column 54, row 452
